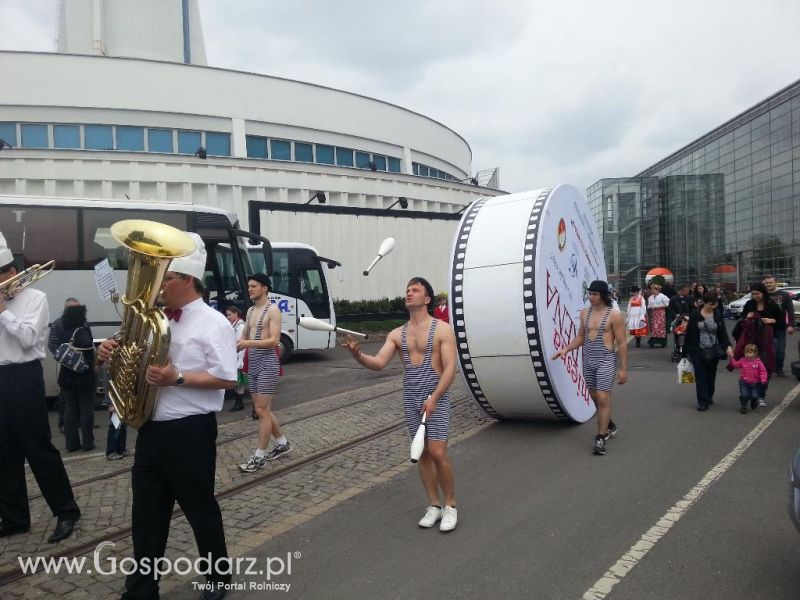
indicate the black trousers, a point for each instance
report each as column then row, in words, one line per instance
column 25, row 435
column 174, row 461
column 79, row 416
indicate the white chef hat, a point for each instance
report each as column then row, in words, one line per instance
column 195, row 263
column 6, row 258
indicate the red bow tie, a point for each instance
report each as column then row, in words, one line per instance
column 174, row 314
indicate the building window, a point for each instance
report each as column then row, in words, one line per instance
column 66, row 136
column 34, row 136
column 423, row 170
column 394, row 165
column 303, row 152
column 97, row 137
column 324, row 154
column 280, row 149
column 130, row 138
column 362, row 160
column 344, row 157
column 218, row 144
column 380, row 161
column 256, row 147
column 159, row 140
column 8, row 133
column 189, row 142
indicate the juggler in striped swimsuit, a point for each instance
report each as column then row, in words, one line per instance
column 599, row 363
column 418, row 383
column 263, row 364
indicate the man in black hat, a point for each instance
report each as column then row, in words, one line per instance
column 602, row 335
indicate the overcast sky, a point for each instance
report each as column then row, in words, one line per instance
column 549, row 91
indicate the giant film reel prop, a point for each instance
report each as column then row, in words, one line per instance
column 520, row 268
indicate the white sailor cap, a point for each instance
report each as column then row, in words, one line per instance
column 6, row 258
column 195, row 263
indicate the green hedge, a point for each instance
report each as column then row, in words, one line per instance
column 382, row 305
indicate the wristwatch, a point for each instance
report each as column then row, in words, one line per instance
column 180, row 380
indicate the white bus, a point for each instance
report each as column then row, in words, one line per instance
column 76, row 233
column 300, row 289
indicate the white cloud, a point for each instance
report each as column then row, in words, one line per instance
column 549, row 92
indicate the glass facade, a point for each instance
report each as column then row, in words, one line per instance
column 723, row 210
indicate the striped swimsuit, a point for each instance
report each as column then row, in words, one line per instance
column 599, row 363
column 263, row 364
column 418, row 383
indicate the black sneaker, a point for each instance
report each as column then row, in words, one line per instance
column 612, row 430
column 743, row 409
column 753, row 404
column 599, row 445
column 279, row 450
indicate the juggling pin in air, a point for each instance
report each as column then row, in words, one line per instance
column 418, row 443
column 386, row 246
column 318, row 325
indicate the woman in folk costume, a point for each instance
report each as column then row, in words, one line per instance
column 637, row 315
column 657, row 307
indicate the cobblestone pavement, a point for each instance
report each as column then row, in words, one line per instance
column 252, row 516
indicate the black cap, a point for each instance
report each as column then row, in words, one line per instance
column 261, row 278
column 598, row 286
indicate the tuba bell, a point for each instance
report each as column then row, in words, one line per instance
column 144, row 337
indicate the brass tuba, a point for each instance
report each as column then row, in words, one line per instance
column 144, row 337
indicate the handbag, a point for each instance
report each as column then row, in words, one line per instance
column 72, row 357
column 715, row 352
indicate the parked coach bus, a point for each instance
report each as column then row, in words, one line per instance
column 76, row 233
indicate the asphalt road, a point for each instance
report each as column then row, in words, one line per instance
column 541, row 517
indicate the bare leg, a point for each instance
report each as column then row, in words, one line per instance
column 602, row 400
column 267, row 423
column 438, row 472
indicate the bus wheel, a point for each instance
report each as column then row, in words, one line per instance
column 287, row 347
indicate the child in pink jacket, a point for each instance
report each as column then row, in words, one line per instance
column 753, row 375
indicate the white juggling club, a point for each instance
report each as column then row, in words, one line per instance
column 418, row 443
column 386, row 246
column 318, row 325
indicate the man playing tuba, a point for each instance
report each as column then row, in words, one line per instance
column 24, row 427
column 176, row 450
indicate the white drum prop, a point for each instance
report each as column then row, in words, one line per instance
column 520, row 269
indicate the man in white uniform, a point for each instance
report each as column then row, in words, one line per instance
column 24, row 427
column 176, row 450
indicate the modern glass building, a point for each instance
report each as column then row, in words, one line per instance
column 724, row 209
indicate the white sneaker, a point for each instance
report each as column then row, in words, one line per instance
column 433, row 514
column 762, row 402
column 449, row 519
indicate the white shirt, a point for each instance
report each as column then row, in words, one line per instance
column 202, row 340
column 658, row 301
column 238, row 328
column 23, row 327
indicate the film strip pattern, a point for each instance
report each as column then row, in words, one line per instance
column 457, row 301
column 538, row 359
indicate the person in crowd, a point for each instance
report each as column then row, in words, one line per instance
column 261, row 335
column 679, row 309
column 706, row 343
column 235, row 317
column 752, row 375
column 637, row 315
column 53, row 342
column 602, row 337
column 700, row 290
column 24, row 426
column 441, row 311
column 657, row 308
column 785, row 325
column 176, row 451
column 78, row 388
column 117, row 434
column 428, row 352
column 761, row 316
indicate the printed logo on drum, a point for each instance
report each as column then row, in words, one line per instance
column 562, row 234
